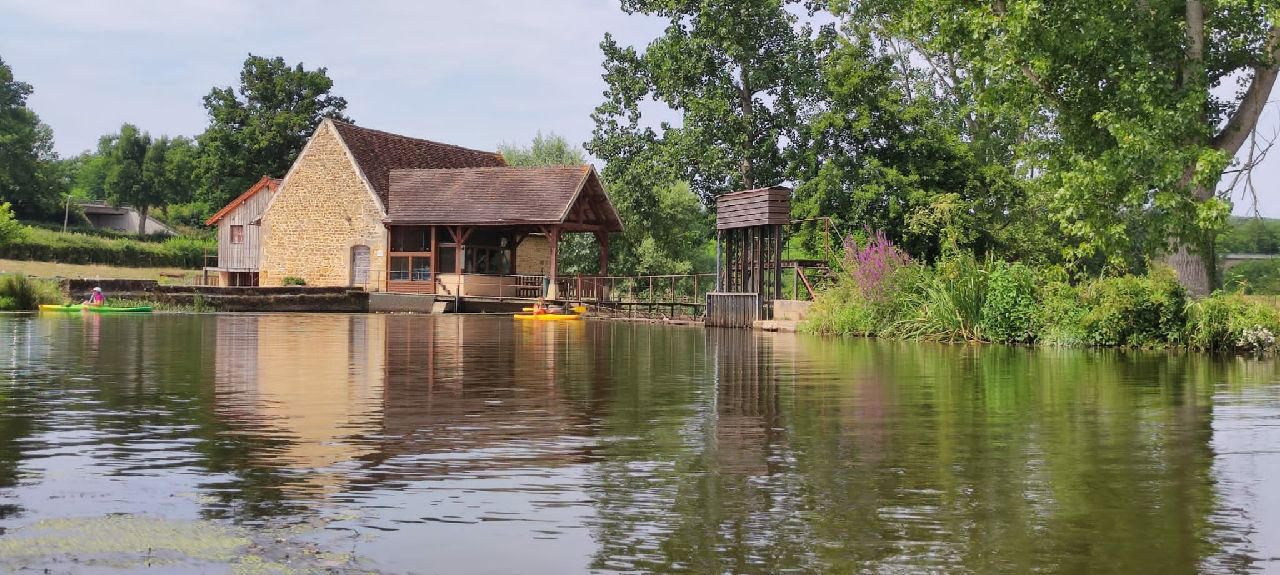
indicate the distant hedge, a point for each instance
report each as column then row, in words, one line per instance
column 37, row 244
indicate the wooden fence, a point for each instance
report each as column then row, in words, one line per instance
column 732, row 309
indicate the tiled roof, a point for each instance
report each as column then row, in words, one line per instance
column 505, row 195
column 264, row 184
column 377, row 153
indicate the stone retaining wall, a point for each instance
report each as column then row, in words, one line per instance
column 257, row 299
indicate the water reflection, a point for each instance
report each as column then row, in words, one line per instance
column 418, row 440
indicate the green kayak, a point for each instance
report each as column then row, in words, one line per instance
column 95, row 308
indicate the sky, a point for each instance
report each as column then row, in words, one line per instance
column 475, row 73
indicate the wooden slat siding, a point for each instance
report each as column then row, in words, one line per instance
column 732, row 309
column 243, row 256
column 411, row 287
column 766, row 206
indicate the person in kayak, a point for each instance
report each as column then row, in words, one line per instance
column 96, row 298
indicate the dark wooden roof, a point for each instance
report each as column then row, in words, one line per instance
column 569, row 195
column 759, row 207
column 377, row 153
column 265, row 183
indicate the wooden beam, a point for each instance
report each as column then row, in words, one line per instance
column 554, row 237
column 602, row 238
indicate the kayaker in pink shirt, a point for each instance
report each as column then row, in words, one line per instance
column 96, row 298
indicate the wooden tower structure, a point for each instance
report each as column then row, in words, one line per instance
column 750, row 232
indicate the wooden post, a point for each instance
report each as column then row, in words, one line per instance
column 553, row 287
column 602, row 238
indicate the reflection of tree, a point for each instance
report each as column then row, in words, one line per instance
column 873, row 456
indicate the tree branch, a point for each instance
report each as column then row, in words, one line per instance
column 1245, row 118
column 1193, row 63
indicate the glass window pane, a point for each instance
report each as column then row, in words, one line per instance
column 421, row 269
column 399, row 269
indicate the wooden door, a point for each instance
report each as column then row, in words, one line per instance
column 359, row 265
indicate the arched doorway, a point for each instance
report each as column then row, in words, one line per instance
column 359, row 265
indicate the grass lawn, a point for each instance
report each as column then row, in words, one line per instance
column 91, row 271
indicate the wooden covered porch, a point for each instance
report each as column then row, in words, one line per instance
column 460, row 232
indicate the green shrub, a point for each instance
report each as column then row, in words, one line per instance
column 1134, row 311
column 11, row 230
column 1059, row 318
column 7, row 303
column 48, row 245
column 1253, row 277
column 293, row 281
column 1225, row 322
column 1009, row 311
column 23, row 293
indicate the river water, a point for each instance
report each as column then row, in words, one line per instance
column 466, row 444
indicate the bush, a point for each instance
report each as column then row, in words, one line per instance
column 18, row 292
column 11, row 230
column 1226, row 322
column 1134, row 311
column 293, row 281
column 1059, row 318
column 48, row 245
column 1254, row 277
column 1009, row 311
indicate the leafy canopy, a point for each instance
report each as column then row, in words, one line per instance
column 260, row 127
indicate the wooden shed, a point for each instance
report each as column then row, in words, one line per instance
column 239, row 234
column 750, row 228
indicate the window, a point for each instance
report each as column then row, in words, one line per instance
column 411, row 239
column 399, row 269
column 486, row 260
column 410, row 268
column 448, row 259
column 237, row 234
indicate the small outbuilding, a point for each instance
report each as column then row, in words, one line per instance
column 240, row 236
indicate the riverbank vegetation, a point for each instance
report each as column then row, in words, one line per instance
column 883, row 292
column 21, row 293
column 39, row 244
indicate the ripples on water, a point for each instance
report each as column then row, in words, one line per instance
column 478, row 444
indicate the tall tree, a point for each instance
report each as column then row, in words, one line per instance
column 890, row 152
column 28, row 178
column 260, row 127
column 739, row 72
column 1133, row 126
column 130, row 177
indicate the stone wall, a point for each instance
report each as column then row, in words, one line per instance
column 533, row 257
column 321, row 212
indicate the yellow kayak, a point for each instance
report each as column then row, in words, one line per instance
column 547, row 316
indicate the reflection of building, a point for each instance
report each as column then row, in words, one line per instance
column 308, row 382
column 320, row 391
column 747, row 410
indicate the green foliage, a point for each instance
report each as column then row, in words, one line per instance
column 1253, row 277
column 1250, row 236
column 1134, row 311
column 21, row 293
column 73, row 248
column 11, row 230
column 293, row 281
column 740, row 72
column 550, row 150
column 191, row 214
column 260, row 127
column 1060, row 319
column 1229, row 322
column 945, row 305
column 30, row 177
column 1009, row 312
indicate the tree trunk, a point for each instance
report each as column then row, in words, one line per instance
column 1195, row 270
column 142, row 220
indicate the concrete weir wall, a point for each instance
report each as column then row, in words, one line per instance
column 243, row 299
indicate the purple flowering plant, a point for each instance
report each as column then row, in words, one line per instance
column 873, row 263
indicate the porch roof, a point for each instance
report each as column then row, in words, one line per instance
column 569, row 196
